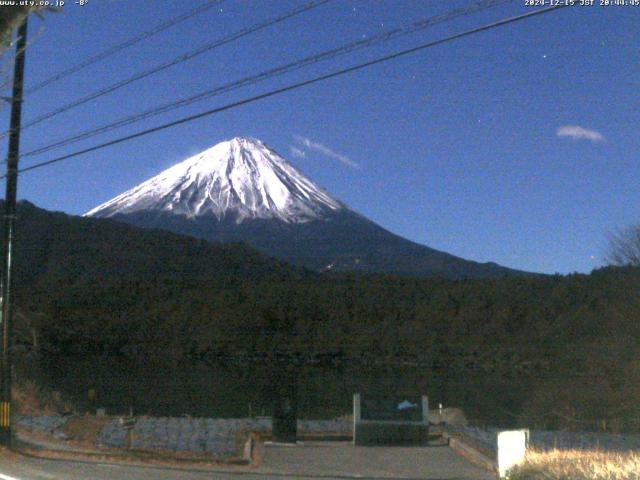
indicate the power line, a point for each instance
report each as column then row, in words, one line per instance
column 121, row 46
column 182, row 58
column 265, row 75
column 293, row 87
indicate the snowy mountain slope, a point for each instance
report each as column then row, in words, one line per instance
column 242, row 191
column 238, row 179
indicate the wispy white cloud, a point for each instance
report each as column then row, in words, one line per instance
column 311, row 145
column 580, row 133
column 296, row 152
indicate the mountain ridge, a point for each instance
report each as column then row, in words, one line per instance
column 241, row 190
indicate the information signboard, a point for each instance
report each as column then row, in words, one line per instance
column 390, row 420
column 400, row 408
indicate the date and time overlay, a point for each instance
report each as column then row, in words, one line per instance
column 582, row 3
column 527, row 3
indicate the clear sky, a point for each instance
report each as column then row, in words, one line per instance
column 518, row 145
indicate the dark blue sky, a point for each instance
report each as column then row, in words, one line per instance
column 517, row 145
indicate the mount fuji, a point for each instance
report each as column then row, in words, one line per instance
column 242, row 190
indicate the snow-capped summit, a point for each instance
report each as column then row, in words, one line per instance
column 242, row 191
column 235, row 180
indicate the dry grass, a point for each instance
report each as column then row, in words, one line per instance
column 31, row 399
column 578, row 465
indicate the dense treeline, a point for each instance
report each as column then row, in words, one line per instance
column 547, row 351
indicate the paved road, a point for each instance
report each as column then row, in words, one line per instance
column 21, row 468
column 328, row 461
column 346, row 460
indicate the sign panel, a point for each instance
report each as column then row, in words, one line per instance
column 399, row 409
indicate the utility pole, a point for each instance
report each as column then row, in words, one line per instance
column 6, row 310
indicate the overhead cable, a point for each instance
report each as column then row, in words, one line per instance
column 294, row 86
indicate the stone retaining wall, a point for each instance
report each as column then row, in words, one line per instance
column 50, row 424
column 548, row 440
column 216, row 436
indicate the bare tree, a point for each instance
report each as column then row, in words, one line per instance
column 624, row 247
column 10, row 19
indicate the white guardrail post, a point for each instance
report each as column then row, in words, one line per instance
column 511, row 449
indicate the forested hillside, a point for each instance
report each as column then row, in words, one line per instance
column 94, row 296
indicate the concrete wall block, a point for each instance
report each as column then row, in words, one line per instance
column 378, row 433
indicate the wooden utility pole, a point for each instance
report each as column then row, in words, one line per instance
column 6, row 307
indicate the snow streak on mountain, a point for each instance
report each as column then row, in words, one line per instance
column 235, row 180
column 242, row 191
